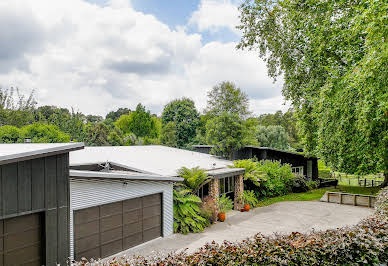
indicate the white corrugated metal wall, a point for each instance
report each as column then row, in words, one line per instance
column 89, row 193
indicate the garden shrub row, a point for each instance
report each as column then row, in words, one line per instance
column 362, row 244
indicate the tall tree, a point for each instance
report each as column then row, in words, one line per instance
column 168, row 135
column 273, row 137
column 226, row 97
column 184, row 115
column 226, row 133
column 333, row 56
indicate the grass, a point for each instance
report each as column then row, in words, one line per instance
column 316, row 194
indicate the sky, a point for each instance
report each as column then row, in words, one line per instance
column 98, row 55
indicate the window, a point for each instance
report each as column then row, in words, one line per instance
column 203, row 191
column 226, row 185
column 297, row 170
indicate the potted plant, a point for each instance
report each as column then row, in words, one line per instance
column 249, row 200
column 224, row 204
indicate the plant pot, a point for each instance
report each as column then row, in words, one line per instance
column 221, row 216
column 242, row 210
column 247, row 207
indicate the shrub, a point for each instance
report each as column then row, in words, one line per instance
column 43, row 133
column 279, row 179
column 224, row 204
column 324, row 173
column 187, row 216
column 362, row 244
column 299, row 184
column 249, row 197
column 209, row 209
column 312, row 184
column 252, row 170
column 10, row 134
column 381, row 205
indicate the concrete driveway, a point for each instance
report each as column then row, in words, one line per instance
column 282, row 217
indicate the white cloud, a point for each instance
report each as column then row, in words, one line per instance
column 213, row 15
column 98, row 58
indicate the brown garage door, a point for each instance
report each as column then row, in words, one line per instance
column 21, row 240
column 108, row 229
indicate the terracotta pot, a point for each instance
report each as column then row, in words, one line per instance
column 221, row 216
column 247, row 207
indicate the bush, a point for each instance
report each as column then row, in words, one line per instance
column 324, row 174
column 279, row 179
column 10, row 134
column 381, row 205
column 252, row 170
column 224, row 204
column 299, row 184
column 187, row 216
column 362, row 244
column 209, row 209
column 312, row 184
column 43, row 133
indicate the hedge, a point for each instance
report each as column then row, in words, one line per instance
column 363, row 244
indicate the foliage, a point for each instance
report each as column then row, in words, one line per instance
column 97, row 135
column 333, row 58
column 10, row 134
column 273, row 137
column 139, row 122
column 299, row 184
column 168, row 135
column 252, row 170
column 42, row 133
column 93, row 119
column 209, row 209
column 227, row 98
column 278, row 179
column 225, row 204
column 226, row 132
column 249, row 197
column 115, row 138
column 312, row 184
column 361, row 244
column 115, row 115
column 287, row 120
column 194, row 178
column 183, row 113
column 187, row 215
column 381, row 205
column 16, row 110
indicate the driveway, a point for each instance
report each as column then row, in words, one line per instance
column 282, row 217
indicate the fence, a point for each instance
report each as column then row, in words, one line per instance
column 349, row 199
column 355, row 180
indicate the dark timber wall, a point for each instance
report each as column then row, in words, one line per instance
column 40, row 185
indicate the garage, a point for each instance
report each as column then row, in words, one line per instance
column 107, row 229
column 114, row 210
column 21, row 240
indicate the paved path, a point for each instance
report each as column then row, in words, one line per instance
column 282, row 217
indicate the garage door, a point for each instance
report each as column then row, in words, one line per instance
column 21, row 240
column 108, row 229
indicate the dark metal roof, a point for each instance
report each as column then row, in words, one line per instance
column 121, row 175
column 10, row 153
column 278, row 150
column 225, row 172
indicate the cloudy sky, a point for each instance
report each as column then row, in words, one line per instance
column 98, row 55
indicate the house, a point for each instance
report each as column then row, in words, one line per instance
column 121, row 196
column 300, row 164
column 95, row 202
column 34, row 203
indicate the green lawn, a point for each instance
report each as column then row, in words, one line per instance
column 316, row 194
